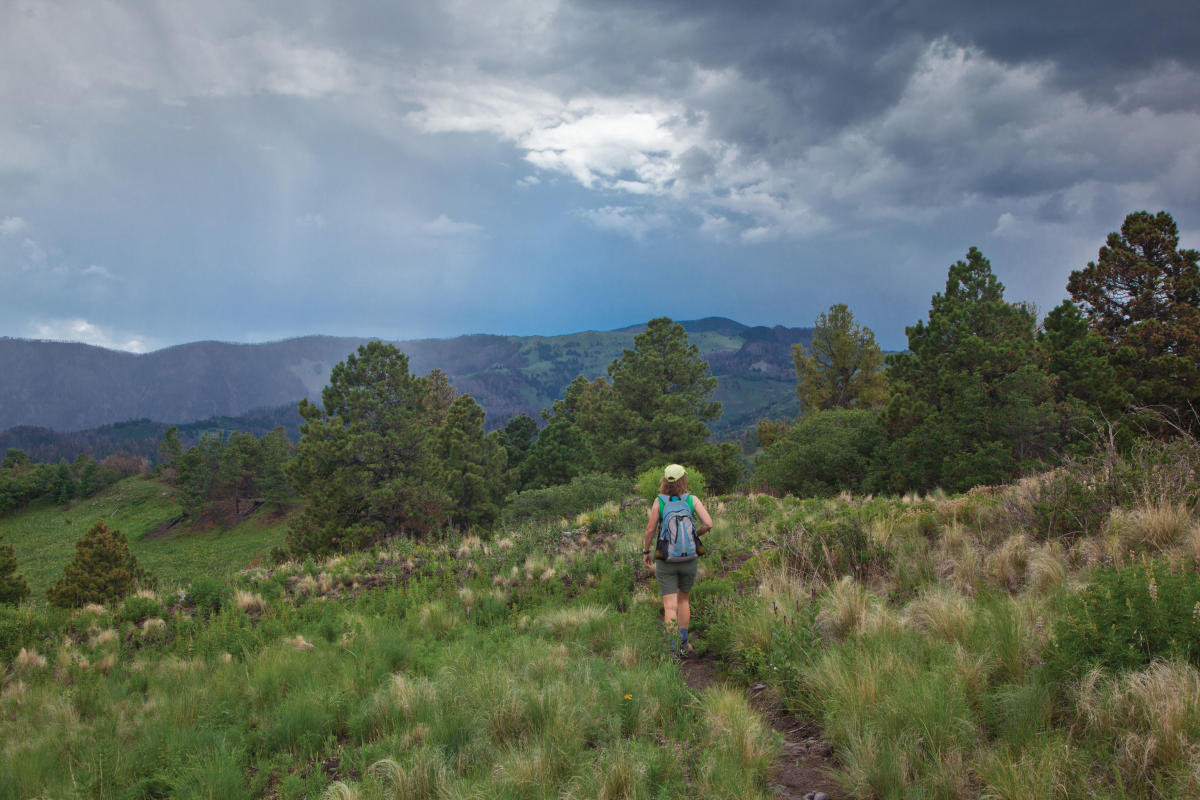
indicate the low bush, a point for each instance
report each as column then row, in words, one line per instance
column 832, row 547
column 565, row 500
column 1128, row 617
column 27, row 626
column 209, row 595
column 136, row 609
column 825, row 453
column 647, row 484
column 13, row 587
column 1079, row 497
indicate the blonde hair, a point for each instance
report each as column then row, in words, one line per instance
column 676, row 487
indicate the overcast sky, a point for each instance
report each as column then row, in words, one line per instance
column 250, row 171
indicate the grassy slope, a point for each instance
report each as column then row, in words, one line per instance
column 44, row 535
column 532, row 667
column 507, row 670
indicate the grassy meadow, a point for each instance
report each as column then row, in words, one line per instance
column 44, row 535
column 969, row 646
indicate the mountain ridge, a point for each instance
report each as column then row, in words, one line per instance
column 69, row 386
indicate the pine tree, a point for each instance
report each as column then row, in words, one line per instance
column 655, row 406
column 64, row 486
column 1142, row 295
column 841, row 368
column 562, row 451
column 473, row 464
column 366, row 463
column 275, row 451
column 13, row 588
column 103, row 570
column 518, row 438
column 970, row 403
column 170, row 448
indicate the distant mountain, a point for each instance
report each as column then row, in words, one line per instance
column 75, row 387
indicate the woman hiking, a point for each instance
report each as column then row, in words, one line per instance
column 675, row 573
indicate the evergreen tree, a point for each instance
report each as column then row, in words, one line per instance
column 439, row 396
column 653, row 408
column 89, row 476
column 103, row 570
column 16, row 460
column 64, row 486
column 194, row 477
column 970, row 404
column 518, row 438
column 1142, row 296
column 473, row 463
column 366, row 463
column 275, row 450
column 237, row 467
column 13, row 588
column 562, row 451
column 841, row 369
column 170, row 448
column 1086, row 381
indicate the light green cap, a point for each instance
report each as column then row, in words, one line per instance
column 674, row 472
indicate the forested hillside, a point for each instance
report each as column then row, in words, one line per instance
column 72, row 387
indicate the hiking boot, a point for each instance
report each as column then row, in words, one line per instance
column 686, row 650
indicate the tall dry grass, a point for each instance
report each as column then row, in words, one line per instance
column 1151, row 716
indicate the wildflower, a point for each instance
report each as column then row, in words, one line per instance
column 1153, row 589
column 1196, row 610
column 630, row 697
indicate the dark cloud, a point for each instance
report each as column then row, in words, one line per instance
column 389, row 167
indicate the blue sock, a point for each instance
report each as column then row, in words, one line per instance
column 683, row 635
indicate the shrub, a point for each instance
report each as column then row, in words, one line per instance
column 566, row 500
column 27, row 627
column 13, row 588
column 208, row 595
column 824, row 453
column 135, row 609
column 648, row 482
column 1128, row 617
column 832, row 547
column 1079, row 497
column 103, row 570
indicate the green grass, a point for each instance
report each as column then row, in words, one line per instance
column 446, row 686
column 532, row 665
column 44, row 535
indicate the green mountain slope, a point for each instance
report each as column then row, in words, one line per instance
column 56, row 386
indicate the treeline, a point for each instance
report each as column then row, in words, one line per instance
column 140, row 437
column 388, row 452
column 22, row 480
column 984, row 392
column 233, row 469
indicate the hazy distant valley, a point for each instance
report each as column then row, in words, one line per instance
column 60, row 398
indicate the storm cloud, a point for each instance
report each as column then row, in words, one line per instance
column 249, row 171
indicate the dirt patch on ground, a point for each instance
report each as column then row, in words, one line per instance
column 218, row 515
column 163, row 529
column 805, row 759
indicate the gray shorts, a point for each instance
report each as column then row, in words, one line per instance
column 676, row 577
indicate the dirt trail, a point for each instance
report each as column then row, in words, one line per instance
column 802, row 768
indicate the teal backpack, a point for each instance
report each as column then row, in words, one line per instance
column 677, row 539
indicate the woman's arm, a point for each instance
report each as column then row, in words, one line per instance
column 706, row 522
column 651, row 530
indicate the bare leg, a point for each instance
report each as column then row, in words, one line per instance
column 683, row 609
column 670, row 609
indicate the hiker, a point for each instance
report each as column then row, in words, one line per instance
column 675, row 578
